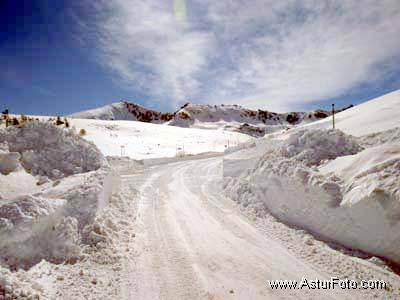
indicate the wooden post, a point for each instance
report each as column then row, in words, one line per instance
column 333, row 116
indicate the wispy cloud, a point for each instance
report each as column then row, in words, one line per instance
column 259, row 53
column 147, row 47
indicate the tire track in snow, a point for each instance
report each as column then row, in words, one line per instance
column 194, row 245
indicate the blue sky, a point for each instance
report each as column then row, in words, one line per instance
column 58, row 57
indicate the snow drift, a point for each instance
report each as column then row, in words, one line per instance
column 313, row 146
column 9, row 162
column 53, row 218
column 54, row 223
column 379, row 138
column 325, row 182
column 51, row 151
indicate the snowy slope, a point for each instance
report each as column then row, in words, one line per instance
column 379, row 114
column 120, row 111
column 114, row 111
column 141, row 140
column 124, row 111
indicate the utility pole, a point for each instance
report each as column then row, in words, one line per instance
column 333, row 116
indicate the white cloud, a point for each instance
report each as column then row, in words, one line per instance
column 148, row 48
column 272, row 54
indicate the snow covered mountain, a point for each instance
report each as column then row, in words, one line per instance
column 124, row 111
column 193, row 114
column 232, row 117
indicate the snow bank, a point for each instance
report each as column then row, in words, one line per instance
column 379, row 138
column 10, row 185
column 313, row 146
column 52, row 224
column 29, row 231
column 47, row 219
column 39, row 282
column 374, row 172
column 51, row 151
column 9, row 162
column 351, row 199
column 125, row 165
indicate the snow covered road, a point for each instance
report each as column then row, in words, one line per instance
column 193, row 244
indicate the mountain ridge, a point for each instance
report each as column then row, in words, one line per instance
column 231, row 117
